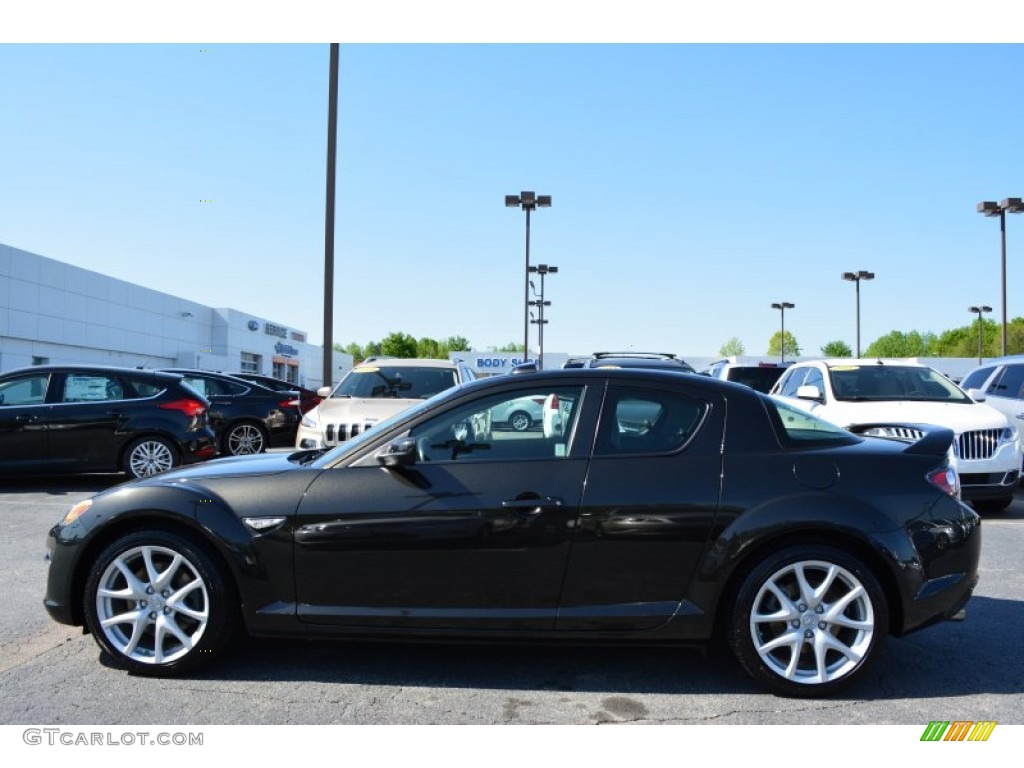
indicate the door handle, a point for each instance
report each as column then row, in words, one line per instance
column 26, row 419
column 531, row 506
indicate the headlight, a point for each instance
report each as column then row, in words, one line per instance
column 1009, row 435
column 76, row 511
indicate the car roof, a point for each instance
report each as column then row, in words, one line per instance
column 121, row 370
column 420, row 362
column 833, row 362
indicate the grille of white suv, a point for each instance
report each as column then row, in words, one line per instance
column 339, row 433
column 979, row 444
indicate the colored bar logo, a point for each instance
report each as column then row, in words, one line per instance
column 958, row 730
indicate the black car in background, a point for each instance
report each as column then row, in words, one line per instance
column 657, row 508
column 85, row 418
column 307, row 398
column 247, row 417
column 658, row 360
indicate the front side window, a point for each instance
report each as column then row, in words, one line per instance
column 1010, row 383
column 483, row 431
column 404, row 381
column 792, row 381
column 638, row 421
column 24, row 390
column 977, row 378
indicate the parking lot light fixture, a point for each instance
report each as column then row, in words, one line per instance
column 991, row 208
column 856, row 277
column 782, row 306
column 543, row 270
column 528, row 201
column 980, row 309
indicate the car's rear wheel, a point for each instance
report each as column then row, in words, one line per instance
column 158, row 604
column 244, row 438
column 148, row 455
column 808, row 621
column 520, row 421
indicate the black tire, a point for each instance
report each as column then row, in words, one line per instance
column 520, row 421
column 180, row 610
column 244, row 438
column 772, row 617
column 150, row 455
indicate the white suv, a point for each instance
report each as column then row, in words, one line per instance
column 1000, row 384
column 854, row 393
column 372, row 391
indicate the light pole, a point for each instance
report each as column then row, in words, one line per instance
column 528, row 201
column 782, row 306
column 990, row 208
column 542, row 270
column 979, row 309
column 857, row 277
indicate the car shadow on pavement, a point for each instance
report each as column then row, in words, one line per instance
column 951, row 659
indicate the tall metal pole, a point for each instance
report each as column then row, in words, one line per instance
column 782, row 350
column 1002, row 231
column 858, row 317
column 526, row 293
column 332, row 142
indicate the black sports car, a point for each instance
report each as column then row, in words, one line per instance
column 657, row 508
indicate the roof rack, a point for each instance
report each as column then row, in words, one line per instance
column 666, row 355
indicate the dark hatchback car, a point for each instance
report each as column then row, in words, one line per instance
column 81, row 418
column 247, row 417
column 722, row 515
column 308, row 399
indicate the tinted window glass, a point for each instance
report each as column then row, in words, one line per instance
column 802, row 427
column 25, row 390
column 645, row 421
column 1010, row 383
column 755, row 377
column 793, row 379
column 88, row 388
column 892, row 382
column 142, row 389
column 977, row 378
column 472, row 432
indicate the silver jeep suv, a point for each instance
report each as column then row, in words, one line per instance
column 372, row 391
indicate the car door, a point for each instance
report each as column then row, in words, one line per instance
column 1006, row 394
column 23, row 416
column 88, row 411
column 474, row 534
column 651, row 499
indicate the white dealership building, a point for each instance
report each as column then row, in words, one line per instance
column 53, row 312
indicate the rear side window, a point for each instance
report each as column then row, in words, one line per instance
column 137, row 388
column 639, row 421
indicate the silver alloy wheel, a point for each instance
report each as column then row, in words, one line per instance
column 812, row 622
column 152, row 605
column 245, row 439
column 147, row 457
column 520, row 421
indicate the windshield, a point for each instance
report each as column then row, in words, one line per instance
column 893, row 382
column 405, row 381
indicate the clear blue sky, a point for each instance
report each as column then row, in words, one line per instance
column 693, row 184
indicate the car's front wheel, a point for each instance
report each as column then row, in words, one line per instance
column 808, row 621
column 158, row 604
column 520, row 421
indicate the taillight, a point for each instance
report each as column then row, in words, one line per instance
column 554, row 403
column 946, row 480
column 289, row 403
column 186, row 405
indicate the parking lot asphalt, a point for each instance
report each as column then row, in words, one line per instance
column 53, row 674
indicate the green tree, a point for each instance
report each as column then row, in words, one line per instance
column 732, row 347
column 836, row 349
column 398, row 344
column 775, row 345
column 456, row 344
column 900, row 344
column 510, row 347
column 427, row 347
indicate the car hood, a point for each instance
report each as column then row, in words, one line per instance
column 233, row 466
column 960, row 417
column 358, row 409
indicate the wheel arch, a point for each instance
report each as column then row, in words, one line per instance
column 809, row 536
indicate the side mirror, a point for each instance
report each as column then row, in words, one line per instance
column 323, row 392
column 977, row 395
column 400, row 453
column 810, row 392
